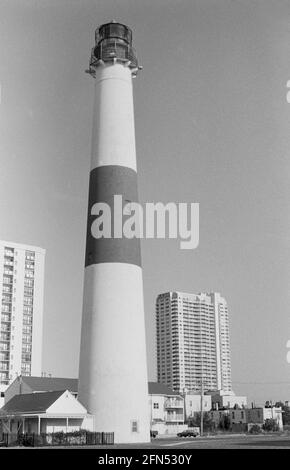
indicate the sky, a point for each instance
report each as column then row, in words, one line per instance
column 212, row 126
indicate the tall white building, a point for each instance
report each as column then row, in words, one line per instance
column 21, row 294
column 193, row 341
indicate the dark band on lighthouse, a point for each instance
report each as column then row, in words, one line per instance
column 106, row 182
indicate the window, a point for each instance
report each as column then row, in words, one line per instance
column 25, row 368
column 27, row 329
column 156, row 406
column 134, row 426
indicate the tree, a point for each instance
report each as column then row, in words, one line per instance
column 225, row 422
column 208, row 423
column 285, row 412
column 279, row 404
column 270, row 425
column 255, row 429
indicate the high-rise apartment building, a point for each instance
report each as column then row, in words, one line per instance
column 193, row 347
column 21, row 294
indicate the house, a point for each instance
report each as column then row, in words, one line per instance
column 259, row 415
column 242, row 419
column 166, row 409
column 45, row 412
column 192, row 403
column 236, row 418
column 221, row 399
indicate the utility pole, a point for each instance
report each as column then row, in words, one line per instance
column 201, row 388
column 201, row 407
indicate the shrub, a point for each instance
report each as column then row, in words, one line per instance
column 255, row 429
column 270, row 425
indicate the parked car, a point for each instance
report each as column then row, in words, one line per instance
column 187, row 433
column 153, row 433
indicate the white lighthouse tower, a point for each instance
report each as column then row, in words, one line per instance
column 112, row 371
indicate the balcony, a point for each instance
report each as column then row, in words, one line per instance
column 6, row 310
column 4, row 379
column 5, row 319
column 7, row 290
column 173, row 403
column 26, row 359
column 174, row 418
column 8, row 272
column 113, row 44
column 8, row 252
column 8, row 263
column 4, row 358
column 108, row 48
column 29, row 275
column 5, row 329
column 5, row 338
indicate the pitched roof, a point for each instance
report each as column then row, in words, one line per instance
column 31, row 402
column 49, row 384
column 156, row 388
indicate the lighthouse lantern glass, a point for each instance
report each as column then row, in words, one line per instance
column 114, row 31
column 114, row 42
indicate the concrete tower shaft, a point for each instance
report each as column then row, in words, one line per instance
column 113, row 371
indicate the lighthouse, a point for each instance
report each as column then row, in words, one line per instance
column 112, row 369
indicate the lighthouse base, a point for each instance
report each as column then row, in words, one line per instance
column 113, row 375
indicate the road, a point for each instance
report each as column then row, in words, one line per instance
column 214, row 442
column 241, row 441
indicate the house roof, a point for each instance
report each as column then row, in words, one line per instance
column 156, row 388
column 49, row 384
column 31, row 402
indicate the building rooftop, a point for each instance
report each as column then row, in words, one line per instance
column 155, row 388
column 200, row 296
column 53, row 384
column 22, row 246
column 31, row 402
column 50, row 384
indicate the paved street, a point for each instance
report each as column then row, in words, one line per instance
column 215, row 442
column 241, row 441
